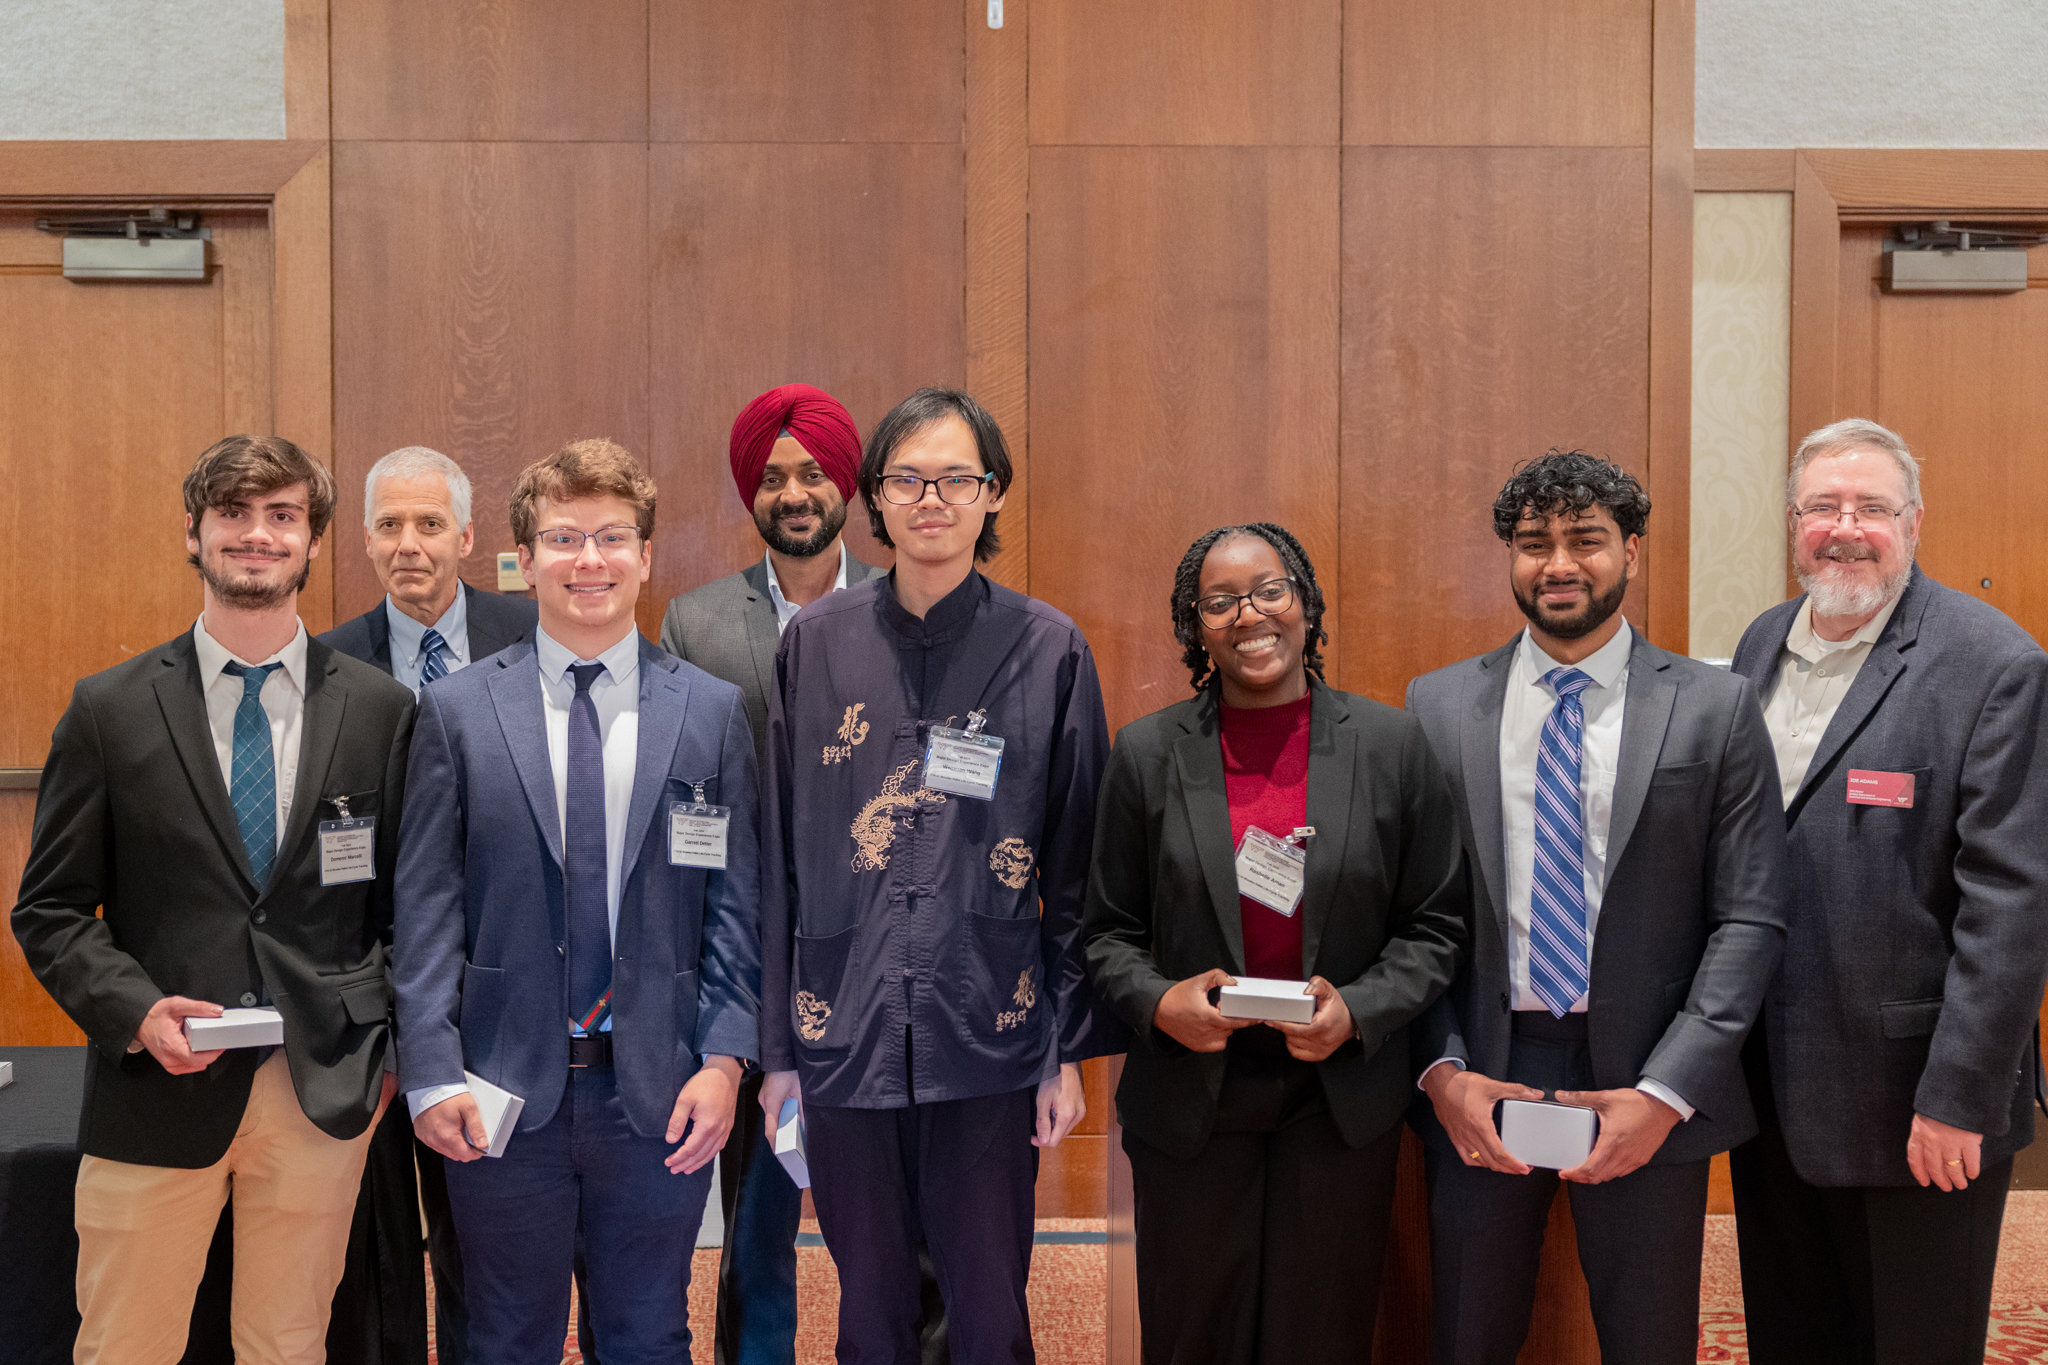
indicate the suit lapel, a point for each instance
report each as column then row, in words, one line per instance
column 182, row 696
column 1332, row 772
column 378, row 622
column 1881, row 668
column 664, row 700
column 758, row 622
column 1479, row 752
column 319, row 733
column 1646, row 715
column 1198, row 762
column 522, row 718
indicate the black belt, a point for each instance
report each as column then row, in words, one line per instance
column 590, row 1051
column 1543, row 1026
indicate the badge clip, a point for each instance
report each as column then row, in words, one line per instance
column 975, row 720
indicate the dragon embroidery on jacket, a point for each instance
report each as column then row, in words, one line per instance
column 874, row 829
column 853, row 730
column 811, row 1014
column 1024, row 997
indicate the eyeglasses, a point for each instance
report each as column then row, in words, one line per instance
column 1869, row 516
column 1270, row 598
column 906, row 490
column 611, row 540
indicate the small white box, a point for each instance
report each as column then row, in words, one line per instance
column 791, row 1148
column 259, row 1027
column 6, row 1073
column 1262, row 997
column 498, row 1108
column 1555, row 1136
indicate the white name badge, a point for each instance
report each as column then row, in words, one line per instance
column 1272, row 870
column 348, row 851
column 696, row 834
column 963, row 762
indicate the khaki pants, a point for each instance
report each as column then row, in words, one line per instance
column 143, row 1232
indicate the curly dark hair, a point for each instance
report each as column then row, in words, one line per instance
column 1187, row 627
column 1570, row 480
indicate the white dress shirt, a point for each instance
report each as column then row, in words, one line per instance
column 616, row 693
column 407, row 658
column 1813, row 677
column 786, row 610
column 284, row 701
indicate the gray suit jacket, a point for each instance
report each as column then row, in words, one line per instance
column 1692, row 921
column 727, row 628
column 1919, row 936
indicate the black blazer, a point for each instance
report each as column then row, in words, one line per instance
column 1383, row 914
column 133, row 815
column 495, row 622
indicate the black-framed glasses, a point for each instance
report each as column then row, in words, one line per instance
column 1270, row 598
column 907, row 490
column 611, row 540
column 1869, row 516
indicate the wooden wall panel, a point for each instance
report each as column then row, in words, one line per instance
column 490, row 302
column 840, row 266
column 801, row 71
column 1184, row 72
column 1183, row 367
column 1480, row 73
column 526, row 70
column 28, row 1016
column 1517, row 322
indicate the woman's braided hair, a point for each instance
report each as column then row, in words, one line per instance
column 1187, row 579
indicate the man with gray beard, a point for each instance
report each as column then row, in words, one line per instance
column 1896, row 1064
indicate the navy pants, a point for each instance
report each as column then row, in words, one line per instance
column 757, row 1268
column 517, row 1215
column 959, row 1172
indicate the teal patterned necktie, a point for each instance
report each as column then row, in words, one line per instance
column 252, row 775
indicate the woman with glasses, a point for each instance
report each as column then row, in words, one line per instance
column 1268, row 829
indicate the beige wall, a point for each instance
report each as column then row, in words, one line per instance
column 1741, row 367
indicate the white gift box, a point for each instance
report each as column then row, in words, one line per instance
column 1555, row 1136
column 1261, row 997
column 790, row 1147
column 6, row 1073
column 259, row 1027
column 498, row 1108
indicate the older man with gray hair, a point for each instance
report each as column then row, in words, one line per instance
column 417, row 531
column 1896, row 1065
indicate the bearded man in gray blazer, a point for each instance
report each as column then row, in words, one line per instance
column 1896, row 1067
column 1618, row 805
column 795, row 453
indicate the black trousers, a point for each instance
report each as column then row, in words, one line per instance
column 1269, row 1244
column 1870, row 1275
column 1639, row 1237
column 956, row 1175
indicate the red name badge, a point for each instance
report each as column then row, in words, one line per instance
column 1869, row 788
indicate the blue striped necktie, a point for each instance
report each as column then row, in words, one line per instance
column 1559, row 961
column 431, row 666
column 252, row 772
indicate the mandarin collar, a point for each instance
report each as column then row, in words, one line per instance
column 948, row 616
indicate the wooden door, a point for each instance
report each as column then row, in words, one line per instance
column 111, row 389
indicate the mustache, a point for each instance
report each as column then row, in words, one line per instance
column 1845, row 552
column 804, row 509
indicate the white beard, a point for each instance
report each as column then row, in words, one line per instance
column 1832, row 593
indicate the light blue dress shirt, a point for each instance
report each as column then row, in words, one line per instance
column 406, row 658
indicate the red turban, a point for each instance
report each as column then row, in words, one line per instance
column 820, row 423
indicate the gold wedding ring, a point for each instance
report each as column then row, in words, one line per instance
column 1957, row 1162
column 1473, row 1155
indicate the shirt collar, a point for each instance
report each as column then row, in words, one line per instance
column 214, row 656
column 775, row 584
column 453, row 626
column 949, row 613
column 1802, row 641
column 620, row 662
column 1604, row 665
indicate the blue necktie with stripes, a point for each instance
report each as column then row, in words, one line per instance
column 1559, row 960
column 252, row 772
column 431, row 666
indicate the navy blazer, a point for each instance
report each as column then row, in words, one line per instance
column 1918, row 936
column 495, row 622
column 480, row 970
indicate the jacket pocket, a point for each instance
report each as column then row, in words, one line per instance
column 1909, row 1018
column 999, row 976
column 1680, row 774
column 825, row 984
column 686, row 1011
column 367, row 1002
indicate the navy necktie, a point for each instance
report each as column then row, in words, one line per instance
column 431, row 666
column 583, row 861
column 252, row 770
column 1559, row 961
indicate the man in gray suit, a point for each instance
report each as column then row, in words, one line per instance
column 1896, row 1065
column 1617, row 806
column 795, row 453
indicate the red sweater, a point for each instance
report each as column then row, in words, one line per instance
column 1265, row 775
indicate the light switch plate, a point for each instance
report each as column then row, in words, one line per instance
column 509, row 577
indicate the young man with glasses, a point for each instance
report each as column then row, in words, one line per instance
column 934, row 747
column 578, row 924
column 1895, row 1070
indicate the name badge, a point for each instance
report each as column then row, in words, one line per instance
column 1868, row 788
column 1272, row 870
column 696, row 832
column 348, row 851
column 963, row 762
